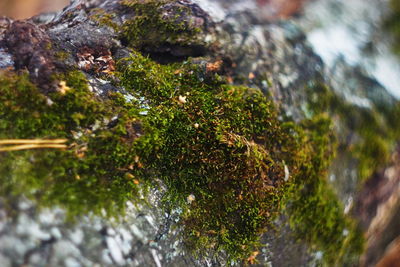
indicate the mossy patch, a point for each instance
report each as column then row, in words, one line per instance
column 377, row 127
column 89, row 176
column 226, row 159
column 157, row 26
column 220, row 145
column 154, row 26
column 223, row 148
column 314, row 211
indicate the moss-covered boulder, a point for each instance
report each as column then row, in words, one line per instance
column 151, row 99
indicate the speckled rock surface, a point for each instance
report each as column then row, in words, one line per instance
column 46, row 238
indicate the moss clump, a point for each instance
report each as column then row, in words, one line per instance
column 220, row 145
column 314, row 212
column 229, row 164
column 90, row 175
column 223, row 148
column 158, row 23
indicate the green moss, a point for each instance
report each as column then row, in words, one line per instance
column 89, row 176
column 377, row 127
column 153, row 26
column 156, row 26
column 225, row 148
column 375, row 131
column 314, row 212
column 220, row 145
column 221, row 151
column 104, row 18
column 61, row 55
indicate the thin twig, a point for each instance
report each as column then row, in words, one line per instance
column 31, row 146
column 32, row 141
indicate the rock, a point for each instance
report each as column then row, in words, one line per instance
column 115, row 250
column 77, row 236
column 243, row 47
column 31, row 49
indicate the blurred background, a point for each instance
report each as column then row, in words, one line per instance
column 20, row 9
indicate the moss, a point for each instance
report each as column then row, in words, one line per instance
column 86, row 177
column 151, row 27
column 155, row 24
column 61, row 55
column 375, row 131
column 314, row 212
column 377, row 127
column 104, row 18
column 224, row 148
column 227, row 160
column 210, row 143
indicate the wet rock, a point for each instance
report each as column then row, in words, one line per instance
column 5, row 261
column 5, row 59
column 76, row 236
column 142, row 237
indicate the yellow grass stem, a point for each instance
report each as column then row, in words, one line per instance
column 31, row 146
column 32, row 141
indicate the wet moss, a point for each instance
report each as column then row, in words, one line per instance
column 229, row 164
column 210, row 145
